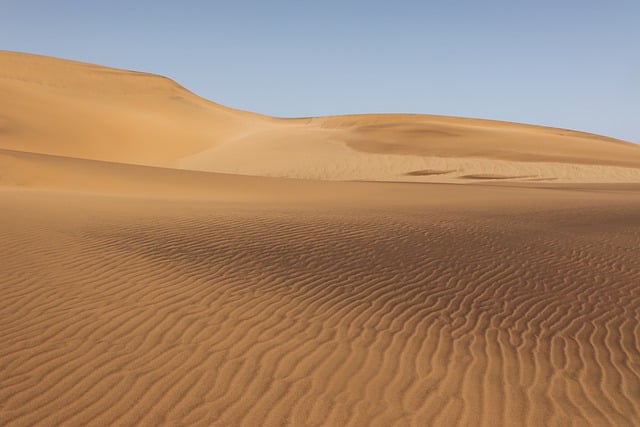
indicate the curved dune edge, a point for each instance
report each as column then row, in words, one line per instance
column 67, row 108
column 72, row 109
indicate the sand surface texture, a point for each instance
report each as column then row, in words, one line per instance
column 163, row 263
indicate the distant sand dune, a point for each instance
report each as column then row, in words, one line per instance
column 67, row 108
column 315, row 155
column 74, row 109
column 170, row 261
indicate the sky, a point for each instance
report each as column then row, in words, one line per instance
column 565, row 63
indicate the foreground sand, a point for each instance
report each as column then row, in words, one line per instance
column 438, row 309
column 147, row 279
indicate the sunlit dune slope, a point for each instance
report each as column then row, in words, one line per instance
column 55, row 106
column 73, row 109
column 404, row 148
column 44, row 172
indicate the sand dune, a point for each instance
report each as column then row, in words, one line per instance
column 147, row 280
column 73, row 109
column 69, row 108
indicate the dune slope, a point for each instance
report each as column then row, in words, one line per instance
column 67, row 108
column 147, row 280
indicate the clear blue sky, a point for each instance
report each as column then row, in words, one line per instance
column 566, row 63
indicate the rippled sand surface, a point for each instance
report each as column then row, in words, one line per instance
column 141, row 286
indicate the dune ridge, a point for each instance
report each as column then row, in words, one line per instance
column 170, row 261
column 68, row 108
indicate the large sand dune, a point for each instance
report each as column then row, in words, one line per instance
column 73, row 109
column 146, row 281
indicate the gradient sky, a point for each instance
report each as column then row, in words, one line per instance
column 565, row 63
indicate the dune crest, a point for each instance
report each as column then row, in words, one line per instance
column 73, row 109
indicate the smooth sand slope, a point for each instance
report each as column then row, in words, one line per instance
column 68, row 108
column 74, row 109
column 134, row 291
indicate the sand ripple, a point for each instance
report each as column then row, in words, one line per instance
column 148, row 313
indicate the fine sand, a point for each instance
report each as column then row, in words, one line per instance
column 67, row 108
column 170, row 261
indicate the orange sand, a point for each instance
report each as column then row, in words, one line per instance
column 163, row 263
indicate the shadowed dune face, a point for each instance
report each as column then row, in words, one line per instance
column 146, row 281
column 427, row 172
column 457, row 137
column 493, row 177
column 207, row 313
